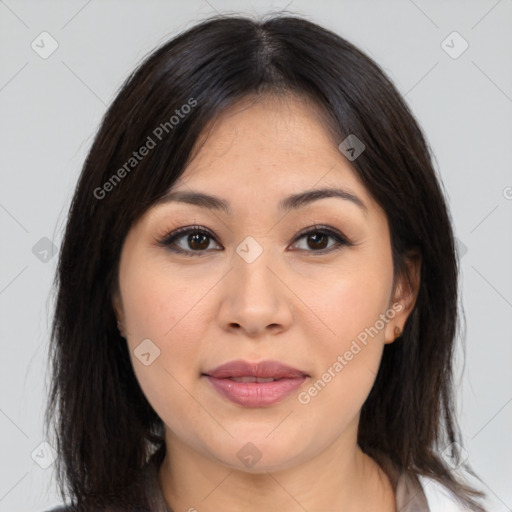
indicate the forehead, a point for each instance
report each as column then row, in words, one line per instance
column 268, row 146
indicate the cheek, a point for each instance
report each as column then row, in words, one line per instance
column 348, row 303
column 349, row 351
column 161, row 306
column 352, row 314
column 160, row 302
column 168, row 312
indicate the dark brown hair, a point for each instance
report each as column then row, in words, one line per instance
column 105, row 429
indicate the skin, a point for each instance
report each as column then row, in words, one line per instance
column 291, row 304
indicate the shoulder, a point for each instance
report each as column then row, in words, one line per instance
column 146, row 483
column 439, row 497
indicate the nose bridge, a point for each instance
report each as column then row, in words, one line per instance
column 252, row 261
column 255, row 298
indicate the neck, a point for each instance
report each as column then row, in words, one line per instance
column 342, row 477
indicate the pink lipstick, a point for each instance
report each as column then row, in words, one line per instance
column 255, row 384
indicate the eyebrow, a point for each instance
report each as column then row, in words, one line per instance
column 292, row 202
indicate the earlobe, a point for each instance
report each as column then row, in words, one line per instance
column 116, row 304
column 405, row 295
column 120, row 328
column 393, row 331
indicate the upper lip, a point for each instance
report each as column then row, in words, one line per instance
column 263, row 369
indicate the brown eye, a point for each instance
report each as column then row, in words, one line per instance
column 191, row 241
column 198, row 241
column 317, row 240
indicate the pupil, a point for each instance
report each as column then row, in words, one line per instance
column 196, row 238
column 317, row 245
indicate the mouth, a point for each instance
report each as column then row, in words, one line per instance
column 250, row 378
column 260, row 370
column 255, row 384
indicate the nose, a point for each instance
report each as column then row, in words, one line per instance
column 255, row 298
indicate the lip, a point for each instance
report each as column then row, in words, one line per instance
column 255, row 394
column 262, row 369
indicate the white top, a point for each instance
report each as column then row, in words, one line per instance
column 439, row 498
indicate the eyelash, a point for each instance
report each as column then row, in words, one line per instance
column 168, row 241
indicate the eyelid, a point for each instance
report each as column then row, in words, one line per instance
column 324, row 229
column 169, row 238
column 173, row 235
column 341, row 239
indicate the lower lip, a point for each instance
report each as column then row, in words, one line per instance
column 256, row 394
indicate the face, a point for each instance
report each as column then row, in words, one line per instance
column 309, row 284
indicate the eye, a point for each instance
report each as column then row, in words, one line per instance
column 188, row 240
column 194, row 240
column 318, row 237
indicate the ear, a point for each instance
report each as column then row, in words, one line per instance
column 404, row 295
column 117, row 305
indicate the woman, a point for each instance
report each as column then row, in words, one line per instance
column 257, row 288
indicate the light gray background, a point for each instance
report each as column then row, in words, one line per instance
column 50, row 109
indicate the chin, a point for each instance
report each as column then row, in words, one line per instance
column 258, row 454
